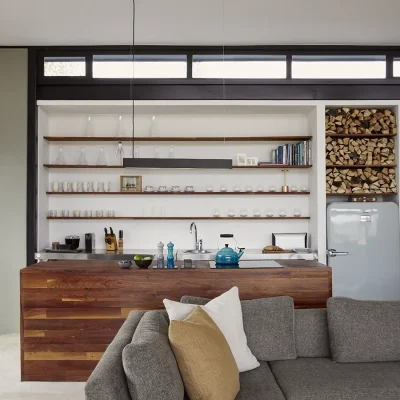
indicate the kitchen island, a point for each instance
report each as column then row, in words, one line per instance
column 71, row 311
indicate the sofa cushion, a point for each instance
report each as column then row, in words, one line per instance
column 259, row 384
column 268, row 324
column 226, row 312
column 205, row 360
column 364, row 331
column 149, row 363
column 311, row 333
column 323, row 379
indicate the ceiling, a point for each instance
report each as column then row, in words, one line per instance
column 194, row 22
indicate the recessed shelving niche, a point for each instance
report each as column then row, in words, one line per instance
column 361, row 151
column 194, row 129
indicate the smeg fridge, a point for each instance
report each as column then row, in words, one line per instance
column 364, row 250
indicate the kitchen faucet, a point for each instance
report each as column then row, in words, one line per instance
column 198, row 245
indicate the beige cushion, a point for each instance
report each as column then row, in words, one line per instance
column 205, row 360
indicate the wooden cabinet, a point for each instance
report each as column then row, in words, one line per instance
column 71, row 311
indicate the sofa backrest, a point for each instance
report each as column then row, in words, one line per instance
column 310, row 329
column 311, row 333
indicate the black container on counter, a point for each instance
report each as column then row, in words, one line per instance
column 89, row 242
column 74, row 243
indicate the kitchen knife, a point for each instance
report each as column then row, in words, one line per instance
column 111, row 230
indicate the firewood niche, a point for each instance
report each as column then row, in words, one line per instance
column 363, row 141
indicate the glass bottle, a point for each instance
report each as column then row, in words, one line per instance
column 60, row 160
column 89, row 131
column 160, row 256
column 170, row 256
column 153, row 126
column 119, row 132
column 119, row 154
column 82, row 157
column 171, row 153
column 101, row 158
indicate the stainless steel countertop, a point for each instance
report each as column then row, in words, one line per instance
column 128, row 254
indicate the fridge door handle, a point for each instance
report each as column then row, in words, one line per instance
column 334, row 253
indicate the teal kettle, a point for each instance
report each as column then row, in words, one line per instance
column 226, row 256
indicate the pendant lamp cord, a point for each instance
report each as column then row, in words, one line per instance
column 131, row 92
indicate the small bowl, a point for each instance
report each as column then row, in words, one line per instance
column 144, row 263
column 125, row 264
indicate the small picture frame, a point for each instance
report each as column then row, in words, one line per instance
column 131, row 183
column 252, row 161
column 241, row 159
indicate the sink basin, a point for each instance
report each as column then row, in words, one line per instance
column 197, row 251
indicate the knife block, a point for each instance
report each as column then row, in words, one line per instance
column 111, row 242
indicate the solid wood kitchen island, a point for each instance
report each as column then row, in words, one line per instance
column 71, row 311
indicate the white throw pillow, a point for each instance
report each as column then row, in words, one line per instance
column 226, row 312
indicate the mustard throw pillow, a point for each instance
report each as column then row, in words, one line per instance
column 205, row 360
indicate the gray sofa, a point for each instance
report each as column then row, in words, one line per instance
column 304, row 354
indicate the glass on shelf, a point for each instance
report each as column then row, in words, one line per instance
column 101, row 158
column 171, row 153
column 119, row 154
column 136, row 152
column 60, row 160
column 216, row 213
column 82, row 157
column 156, row 153
column 153, row 126
column 119, row 131
column 269, row 213
column 282, row 213
column 89, row 131
column 257, row 213
column 243, row 212
column 297, row 212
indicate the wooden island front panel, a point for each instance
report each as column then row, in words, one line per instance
column 71, row 311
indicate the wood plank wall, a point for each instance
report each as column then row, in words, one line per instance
column 70, row 314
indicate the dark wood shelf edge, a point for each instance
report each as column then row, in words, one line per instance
column 179, row 218
column 362, row 136
column 292, row 138
column 361, row 194
column 360, row 166
column 183, row 193
column 71, row 166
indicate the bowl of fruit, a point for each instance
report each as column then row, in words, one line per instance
column 143, row 261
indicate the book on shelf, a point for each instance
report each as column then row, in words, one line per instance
column 291, row 154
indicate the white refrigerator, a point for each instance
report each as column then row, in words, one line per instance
column 364, row 250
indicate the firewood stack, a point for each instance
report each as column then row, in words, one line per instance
column 374, row 155
column 348, row 121
column 349, row 151
column 361, row 180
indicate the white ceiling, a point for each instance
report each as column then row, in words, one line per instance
column 103, row 22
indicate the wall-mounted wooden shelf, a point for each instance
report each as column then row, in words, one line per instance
column 176, row 139
column 178, row 218
column 266, row 193
column 361, row 166
column 361, row 136
column 361, row 194
column 272, row 166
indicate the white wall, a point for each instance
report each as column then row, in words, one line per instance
column 48, row 22
column 13, row 121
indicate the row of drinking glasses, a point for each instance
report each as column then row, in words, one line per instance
column 257, row 213
column 82, row 213
column 76, row 186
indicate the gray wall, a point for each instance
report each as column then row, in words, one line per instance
column 13, row 127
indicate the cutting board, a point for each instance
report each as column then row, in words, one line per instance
column 278, row 252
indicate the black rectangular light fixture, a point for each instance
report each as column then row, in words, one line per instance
column 187, row 163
